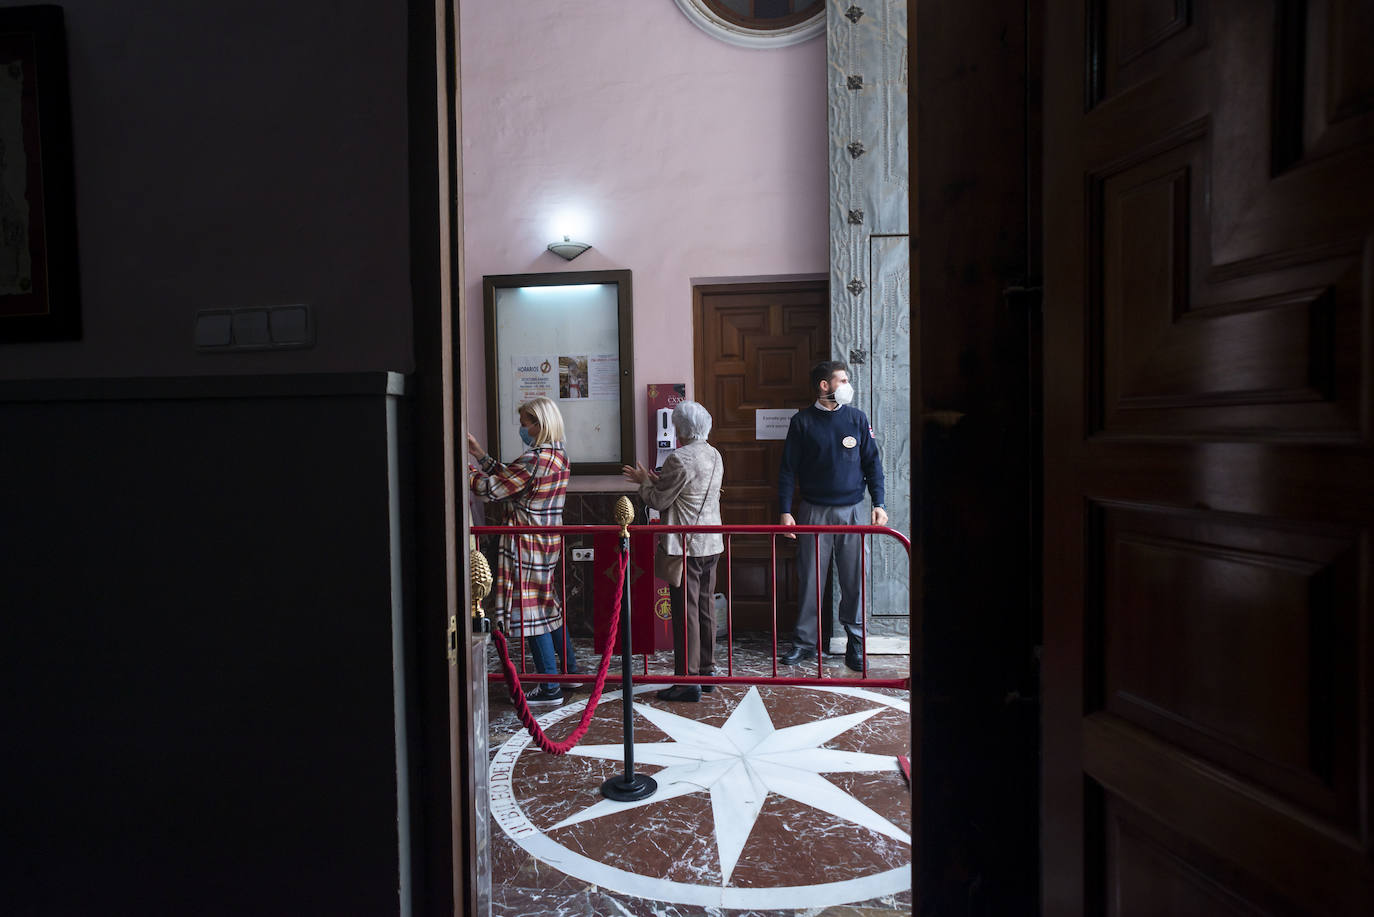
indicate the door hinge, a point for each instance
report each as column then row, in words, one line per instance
column 453, row 640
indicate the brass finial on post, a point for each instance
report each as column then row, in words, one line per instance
column 624, row 515
column 479, row 579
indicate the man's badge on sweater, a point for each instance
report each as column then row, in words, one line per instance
column 849, row 442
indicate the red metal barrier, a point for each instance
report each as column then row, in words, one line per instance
column 730, row 678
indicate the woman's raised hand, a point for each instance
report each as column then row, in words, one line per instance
column 639, row 474
column 475, row 448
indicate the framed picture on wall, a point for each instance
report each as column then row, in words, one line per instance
column 567, row 337
column 39, row 293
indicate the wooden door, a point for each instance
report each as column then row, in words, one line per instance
column 755, row 346
column 1209, row 483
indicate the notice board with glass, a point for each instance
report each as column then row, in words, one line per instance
column 567, row 337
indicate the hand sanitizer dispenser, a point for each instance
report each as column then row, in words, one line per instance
column 666, row 437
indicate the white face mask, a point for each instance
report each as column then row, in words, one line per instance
column 844, row 393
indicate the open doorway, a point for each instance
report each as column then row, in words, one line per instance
column 609, row 182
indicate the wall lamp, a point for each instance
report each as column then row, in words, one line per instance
column 568, row 249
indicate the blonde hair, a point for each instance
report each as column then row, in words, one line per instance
column 549, row 418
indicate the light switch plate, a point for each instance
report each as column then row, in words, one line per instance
column 250, row 328
column 290, row 327
column 214, row 329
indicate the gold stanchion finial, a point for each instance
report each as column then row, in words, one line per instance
column 624, row 515
column 479, row 577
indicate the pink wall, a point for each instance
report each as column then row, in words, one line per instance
column 674, row 154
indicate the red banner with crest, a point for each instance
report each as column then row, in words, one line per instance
column 651, row 620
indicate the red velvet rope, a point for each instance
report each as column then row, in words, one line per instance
column 517, row 695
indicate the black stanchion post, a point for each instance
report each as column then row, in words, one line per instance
column 628, row 786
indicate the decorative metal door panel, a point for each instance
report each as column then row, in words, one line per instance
column 870, row 276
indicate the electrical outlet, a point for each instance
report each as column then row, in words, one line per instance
column 582, row 554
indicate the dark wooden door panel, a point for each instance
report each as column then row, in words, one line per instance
column 756, row 344
column 1249, row 844
column 1234, row 639
column 1209, row 483
column 1142, row 862
column 1130, row 43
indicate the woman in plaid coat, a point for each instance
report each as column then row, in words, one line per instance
column 532, row 489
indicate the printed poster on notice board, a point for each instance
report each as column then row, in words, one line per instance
column 603, row 376
column 534, row 376
column 595, row 377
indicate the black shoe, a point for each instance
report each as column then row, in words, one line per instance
column 797, row 654
column 706, row 689
column 539, row 697
column 681, row 692
column 854, row 656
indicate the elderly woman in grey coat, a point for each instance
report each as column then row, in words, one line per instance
column 687, row 492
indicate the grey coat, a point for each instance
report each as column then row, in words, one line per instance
column 687, row 492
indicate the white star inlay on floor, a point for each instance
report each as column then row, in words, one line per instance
column 743, row 761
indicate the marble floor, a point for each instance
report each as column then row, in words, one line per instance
column 780, row 800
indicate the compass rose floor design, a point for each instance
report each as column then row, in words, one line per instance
column 771, row 800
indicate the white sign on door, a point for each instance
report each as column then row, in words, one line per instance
column 772, row 423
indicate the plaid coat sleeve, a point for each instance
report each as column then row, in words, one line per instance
column 496, row 481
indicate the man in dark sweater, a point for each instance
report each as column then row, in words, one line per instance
column 831, row 454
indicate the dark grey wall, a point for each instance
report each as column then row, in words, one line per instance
column 196, row 633
column 226, row 155
column 196, row 649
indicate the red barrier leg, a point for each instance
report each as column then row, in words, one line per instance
column 820, row 631
column 563, row 603
column 519, row 601
column 773, row 593
column 729, row 614
column 863, row 600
